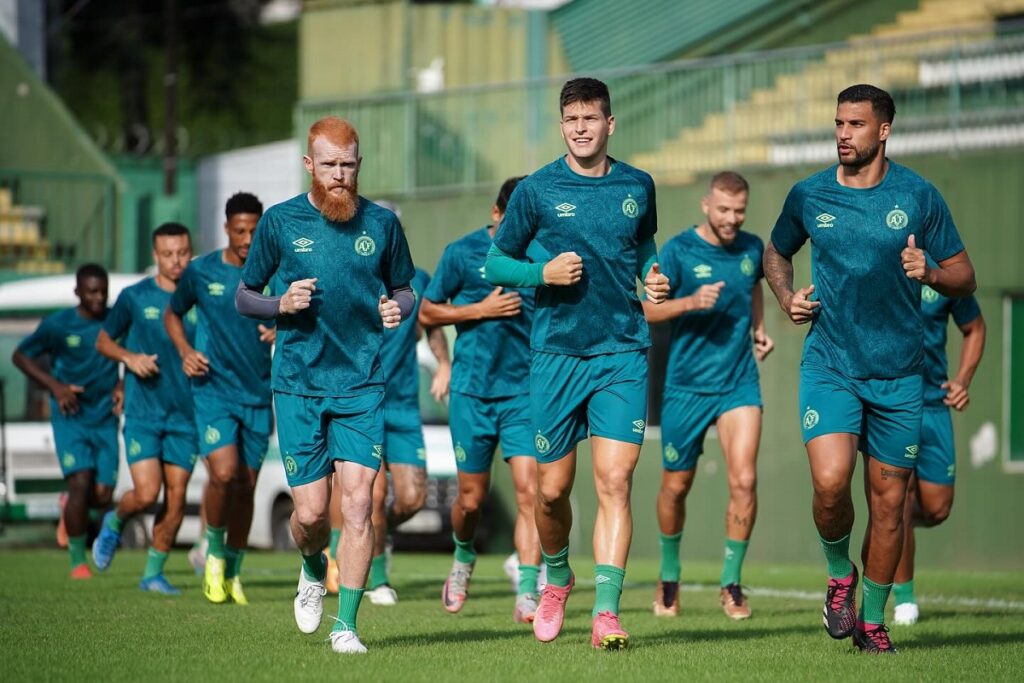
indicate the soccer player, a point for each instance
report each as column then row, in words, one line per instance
column 489, row 402
column 870, row 221
column 159, row 427
column 229, row 368
column 715, row 304
column 338, row 252
column 930, row 497
column 405, row 455
column 598, row 216
column 86, row 398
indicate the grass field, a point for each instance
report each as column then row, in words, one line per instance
column 106, row 629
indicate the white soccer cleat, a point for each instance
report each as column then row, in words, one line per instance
column 906, row 614
column 347, row 643
column 511, row 568
column 383, row 595
column 309, row 604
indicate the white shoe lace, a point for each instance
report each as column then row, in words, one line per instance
column 458, row 581
column 312, row 596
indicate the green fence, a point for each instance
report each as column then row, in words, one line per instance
column 750, row 110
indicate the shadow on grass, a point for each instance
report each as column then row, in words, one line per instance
column 690, row 636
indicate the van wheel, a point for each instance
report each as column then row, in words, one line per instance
column 280, row 524
column 134, row 535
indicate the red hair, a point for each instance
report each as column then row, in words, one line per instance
column 335, row 129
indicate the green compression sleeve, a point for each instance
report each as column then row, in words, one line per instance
column 502, row 269
column 646, row 256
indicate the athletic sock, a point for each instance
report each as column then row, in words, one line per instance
column 464, row 550
column 735, row 551
column 155, row 560
column 76, row 549
column 379, row 571
column 348, row 607
column 902, row 592
column 215, row 541
column 559, row 572
column 670, row 566
column 315, row 566
column 232, row 562
column 528, row 579
column 837, row 554
column 115, row 523
column 608, row 581
column 335, row 537
column 872, row 601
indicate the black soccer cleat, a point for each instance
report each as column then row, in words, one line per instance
column 873, row 639
column 840, row 611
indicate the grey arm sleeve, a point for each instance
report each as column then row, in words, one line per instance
column 406, row 300
column 253, row 304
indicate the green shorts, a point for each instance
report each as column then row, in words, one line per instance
column 221, row 423
column 403, row 435
column 884, row 413
column 936, row 461
column 479, row 425
column 173, row 441
column 314, row 431
column 84, row 446
column 571, row 395
column 686, row 416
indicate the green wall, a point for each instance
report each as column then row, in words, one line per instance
column 983, row 191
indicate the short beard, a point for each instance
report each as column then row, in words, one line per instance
column 336, row 208
column 862, row 160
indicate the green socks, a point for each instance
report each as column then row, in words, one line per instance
column 559, row 573
column 232, row 562
column 872, row 602
column 315, row 566
column 528, row 579
column 348, row 607
column 378, row 571
column 76, row 548
column 215, row 542
column 114, row 523
column 155, row 561
column 335, row 537
column 735, row 551
column 902, row 592
column 464, row 550
column 837, row 554
column 608, row 582
column 670, row 568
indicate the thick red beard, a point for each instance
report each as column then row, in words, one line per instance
column 334, row 207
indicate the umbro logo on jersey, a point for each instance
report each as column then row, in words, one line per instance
column 825, row 220
column 73, row 341
column 638, row 426
column 702, row 271
column 566, row 210
column 378, row 451
column 151, row 313
column 215, row 288
column 303, row 245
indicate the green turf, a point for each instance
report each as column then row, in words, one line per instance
column 106, row 629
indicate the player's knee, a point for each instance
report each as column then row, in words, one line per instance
column 470, row 502
column 409, row 500
column 310, row 518
column 936, row 513
column 102, row 496
column 147, row 495
column 357, row 504
column 550, row 493
column 223, row 474
column 743, row 485
column 614, row 485
column 832, row 494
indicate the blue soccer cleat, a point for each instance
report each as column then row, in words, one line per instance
column 158, row 584
column 105, row 545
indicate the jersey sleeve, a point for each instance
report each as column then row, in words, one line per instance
column 759, row 260
column 264, row 254
column 519, row 225
column 446, row 282
column 941, row 238
column 40, row 342
column 399, row 269
column 120, row 317
column 789, row 233
column 965, row 310
column 184, row 296
column 649, row 221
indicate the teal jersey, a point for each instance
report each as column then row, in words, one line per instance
column 603, row 220
column 333, row 347
column 710, row 351
column 492, row 357
column 137, row 320
column 869, row 325
column 70, row 342
column 239, row 361
column 937, row 310
column 398, row 353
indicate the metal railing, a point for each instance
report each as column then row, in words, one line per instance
column 681, row 118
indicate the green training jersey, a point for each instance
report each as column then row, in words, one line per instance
column 70, row 342
column 492, row 357
column 603, row 220
column 239, row 361
column 137, row 320
column 710, row 350
column 937, row 310
column 869, row 324
column 398, row 353
column 333, row 347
